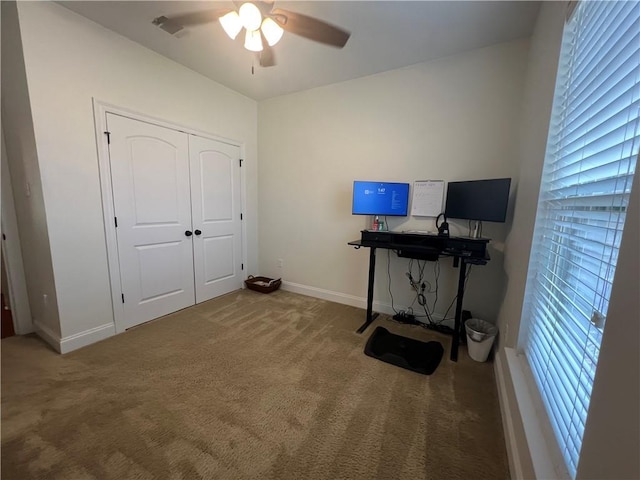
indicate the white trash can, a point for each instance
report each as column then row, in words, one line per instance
column 480, row 337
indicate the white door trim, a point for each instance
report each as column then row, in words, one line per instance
column 100, row 110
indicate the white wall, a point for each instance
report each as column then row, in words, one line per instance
column 611, row 440
column 536, row 113
column 69, row 60
column 22, row 158
column 452, row 119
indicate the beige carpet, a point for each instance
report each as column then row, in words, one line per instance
column 247, row 386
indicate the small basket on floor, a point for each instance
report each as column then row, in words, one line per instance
column 262, row 284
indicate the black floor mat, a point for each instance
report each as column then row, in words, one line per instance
column 421, row 357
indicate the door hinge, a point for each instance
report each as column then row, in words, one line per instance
column 242, row 266
column 4, row 237
column 122, row 297
column 108, row 134
column 115, row 219
column 241, row 160
column 240, row 216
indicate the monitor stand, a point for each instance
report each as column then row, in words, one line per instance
column 477, row 229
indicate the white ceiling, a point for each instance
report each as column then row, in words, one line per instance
column 385, row 35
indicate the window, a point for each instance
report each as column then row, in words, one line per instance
column 591, row 156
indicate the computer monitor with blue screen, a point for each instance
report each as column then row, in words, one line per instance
column 380, row 198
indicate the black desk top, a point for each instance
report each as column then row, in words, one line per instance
column 471, row 250
column 420, row 234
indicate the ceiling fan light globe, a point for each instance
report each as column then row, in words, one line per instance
column 253, row 41
column 231, row 24
column 250, row 16
column 271, row 31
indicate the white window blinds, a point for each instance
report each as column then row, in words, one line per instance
column 591, row 156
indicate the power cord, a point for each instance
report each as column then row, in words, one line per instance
column 419, row 285
column 436, row 276
column 389, row 280
column 464, row 289
column 438, row 326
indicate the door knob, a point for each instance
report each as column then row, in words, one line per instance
column 188, row 233
column 197, row 232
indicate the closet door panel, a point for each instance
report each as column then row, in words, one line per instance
column 218, row 258
column 215, row 200
column 152, row 201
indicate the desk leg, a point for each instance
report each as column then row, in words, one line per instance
column 457, row 325
column 371, row 316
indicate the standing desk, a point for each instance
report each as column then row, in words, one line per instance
column 424, row 246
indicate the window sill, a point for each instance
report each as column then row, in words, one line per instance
column 541, row 443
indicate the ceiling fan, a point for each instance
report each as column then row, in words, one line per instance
column 264, row 26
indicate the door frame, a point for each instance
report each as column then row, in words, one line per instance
column 12, row 250
column 100, row 111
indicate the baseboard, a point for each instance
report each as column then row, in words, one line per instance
column 82, row 339
column 347, row 299
column 47, row 335
column 74, row 342
column 337, row 297
column 513, row 454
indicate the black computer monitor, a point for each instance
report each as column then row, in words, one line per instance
column 483, row 200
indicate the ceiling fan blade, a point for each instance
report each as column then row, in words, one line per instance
column 167, row 25
column 310, row 28
column 178, row 22
column 265, row 6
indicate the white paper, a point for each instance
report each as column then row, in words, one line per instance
column 428, row 196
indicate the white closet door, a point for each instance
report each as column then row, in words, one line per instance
column 150, row 177
column 215, row 202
